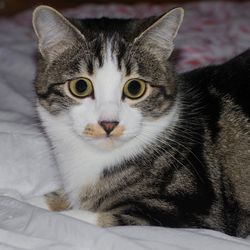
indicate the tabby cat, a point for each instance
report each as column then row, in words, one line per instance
column 136, row 143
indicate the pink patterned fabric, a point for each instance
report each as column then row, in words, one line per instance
column 212, row 32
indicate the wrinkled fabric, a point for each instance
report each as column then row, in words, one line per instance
column 23, row 226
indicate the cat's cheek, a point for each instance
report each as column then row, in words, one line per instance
column 132, row 121
column 82, row 115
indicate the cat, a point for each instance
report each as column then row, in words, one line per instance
column 135, row 142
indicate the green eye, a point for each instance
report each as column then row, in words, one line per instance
column 134, row 88
column 81, row 87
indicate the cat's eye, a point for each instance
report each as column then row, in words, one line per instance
column 134, row 88
column 81, row 87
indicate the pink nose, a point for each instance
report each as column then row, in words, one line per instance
column 108, row 126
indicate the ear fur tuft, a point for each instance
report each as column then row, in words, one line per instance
column 161, row 34
column 55, row 33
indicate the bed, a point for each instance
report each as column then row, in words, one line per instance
column 211, row 33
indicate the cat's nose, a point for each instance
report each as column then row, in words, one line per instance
column 108, row 126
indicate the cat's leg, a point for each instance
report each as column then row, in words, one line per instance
column 57, row 201
column 109, row 219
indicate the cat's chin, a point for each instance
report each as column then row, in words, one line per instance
column 106, row 143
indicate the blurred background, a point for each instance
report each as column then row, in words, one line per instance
column 212, row 32
column 10, row 7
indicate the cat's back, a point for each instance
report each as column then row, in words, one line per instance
column 226, row 102
column 230, row 79
column 234, row 80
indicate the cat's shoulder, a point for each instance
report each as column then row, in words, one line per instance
column 231, row 79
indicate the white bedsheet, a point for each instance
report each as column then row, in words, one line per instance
column 23, row 226
column 28, row 169
column 25, row 162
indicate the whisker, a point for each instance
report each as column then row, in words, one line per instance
column 163, row 142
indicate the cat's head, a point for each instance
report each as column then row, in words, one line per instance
column 108, row 81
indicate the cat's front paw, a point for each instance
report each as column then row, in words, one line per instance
column 57, row 201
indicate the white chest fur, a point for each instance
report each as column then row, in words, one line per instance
column 80, row 166
column 79, row 163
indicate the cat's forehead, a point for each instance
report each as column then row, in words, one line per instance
column 107, row 54
column 109, row 50
column 126, row 28
column 114, row 38
column 106, row 68
column 105, row 38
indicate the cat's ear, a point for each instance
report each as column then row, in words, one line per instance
column 161, row 34
column 55, row 33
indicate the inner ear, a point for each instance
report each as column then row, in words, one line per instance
column 55, row 33
column 161, row 34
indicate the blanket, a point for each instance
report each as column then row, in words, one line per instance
column 211, row 33
column 26, row 227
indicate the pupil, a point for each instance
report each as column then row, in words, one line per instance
column 134, row 87
column 81, row 86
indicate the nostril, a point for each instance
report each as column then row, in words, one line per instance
column 108, row 126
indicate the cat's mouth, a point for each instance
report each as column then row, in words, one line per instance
column 107, row 142
column 98, row 137
column 95, row 131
